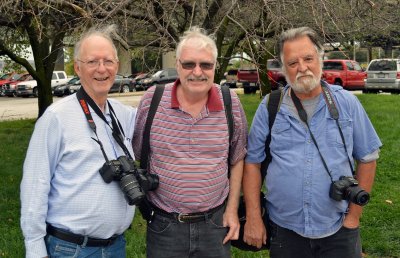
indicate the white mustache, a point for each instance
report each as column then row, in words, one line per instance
column 307, row 73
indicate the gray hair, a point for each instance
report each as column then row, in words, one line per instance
column 203, row 41
column 104, row 32
column 296, row 33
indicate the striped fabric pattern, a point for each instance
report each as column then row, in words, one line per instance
column 189, row 154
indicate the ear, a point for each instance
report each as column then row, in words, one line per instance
column 77, row 69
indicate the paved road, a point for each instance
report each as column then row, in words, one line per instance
column 18, row 108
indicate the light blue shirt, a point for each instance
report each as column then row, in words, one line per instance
column 61, row 183
column 297, row 182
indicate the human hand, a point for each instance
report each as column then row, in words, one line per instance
column 231, row 220
column 255, row 233
column 351, row 221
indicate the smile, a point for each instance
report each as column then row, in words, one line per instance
column 101, row 79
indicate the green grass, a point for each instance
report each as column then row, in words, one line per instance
column 380, row 224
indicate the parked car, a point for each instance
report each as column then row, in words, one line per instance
column 249, row 80
column 230, row 78
column 343, row 72
column 122, row 84
column 138, row 80
column 275, row 75
column 63, row 90
column 29, row 88
column 10, row 88
column 383, row 75
column 161, row 77
column 7, row 78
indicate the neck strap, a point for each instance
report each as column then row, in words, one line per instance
column 334, row 114
column 116, row 128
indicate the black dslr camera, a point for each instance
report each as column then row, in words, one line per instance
column 134, row 182
column 346, row 188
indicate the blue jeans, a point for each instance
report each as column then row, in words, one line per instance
column 168, row 238
column 63, row 249
column 346, row 243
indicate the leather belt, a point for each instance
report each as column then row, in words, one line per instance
column 188, row 217
column 79, row 239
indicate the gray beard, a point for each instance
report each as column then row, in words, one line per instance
column 305, row 85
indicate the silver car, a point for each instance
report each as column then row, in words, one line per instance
column 383, row 75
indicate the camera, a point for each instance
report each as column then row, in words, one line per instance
column 133, row 182
column 346, row 188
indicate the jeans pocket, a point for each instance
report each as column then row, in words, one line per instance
column 216, row 219
column 60, row 248
column 159, row 224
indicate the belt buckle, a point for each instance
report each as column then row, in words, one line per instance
column 180, row 217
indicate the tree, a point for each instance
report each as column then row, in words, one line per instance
column 44, row 24
column 154, row 26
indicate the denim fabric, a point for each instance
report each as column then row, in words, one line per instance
column 57, row 248
column 346, row 243
column 297, row 181
column 167, row 238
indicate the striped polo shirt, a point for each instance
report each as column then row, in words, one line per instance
column 190, row 154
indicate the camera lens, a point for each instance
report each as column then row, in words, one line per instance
column 362, row 198
column 357, row 195
column 130, row 187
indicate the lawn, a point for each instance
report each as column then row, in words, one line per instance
column 380, row 225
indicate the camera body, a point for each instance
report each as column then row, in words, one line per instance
column 133, row 182
column 346, row 188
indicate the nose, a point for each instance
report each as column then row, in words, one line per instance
column 197, row 70
column 101, row 66
column 302, row 67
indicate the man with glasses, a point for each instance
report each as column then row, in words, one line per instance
column 67, row 209
column 195, row 205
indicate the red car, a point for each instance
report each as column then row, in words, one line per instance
column 275, row 75
column 346, row 73
column 6, row 78
column 10, row 87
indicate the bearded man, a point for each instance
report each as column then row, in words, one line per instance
column 320, row 133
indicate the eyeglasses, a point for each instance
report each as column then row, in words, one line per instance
column 189, row 65
column 108, row 63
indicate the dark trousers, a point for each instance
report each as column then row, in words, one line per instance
column 345, row 243
column 168, row 238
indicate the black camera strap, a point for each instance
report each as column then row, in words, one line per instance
column 334, row 114
column 116, row 128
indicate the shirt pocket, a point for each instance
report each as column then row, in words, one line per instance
column 333, row 133
column 281, row 137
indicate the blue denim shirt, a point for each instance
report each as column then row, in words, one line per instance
column 297, row 182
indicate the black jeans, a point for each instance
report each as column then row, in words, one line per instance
column 346, row 243
column 168, row 238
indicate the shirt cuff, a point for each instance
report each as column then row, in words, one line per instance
column 35, row 249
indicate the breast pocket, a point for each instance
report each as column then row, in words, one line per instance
column 281, row 137
column 333, row 133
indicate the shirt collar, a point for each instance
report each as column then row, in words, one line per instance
column 214, row 102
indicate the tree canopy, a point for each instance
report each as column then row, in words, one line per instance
column 238, row 26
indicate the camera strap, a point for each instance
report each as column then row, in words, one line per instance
column 334, row 114
column 117, row 132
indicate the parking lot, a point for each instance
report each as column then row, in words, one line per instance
column 19, row 108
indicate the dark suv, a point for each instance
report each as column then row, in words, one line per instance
column 161, row 77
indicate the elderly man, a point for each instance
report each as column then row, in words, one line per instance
column 68, row 210
column 189, row 144
column 319, row 131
